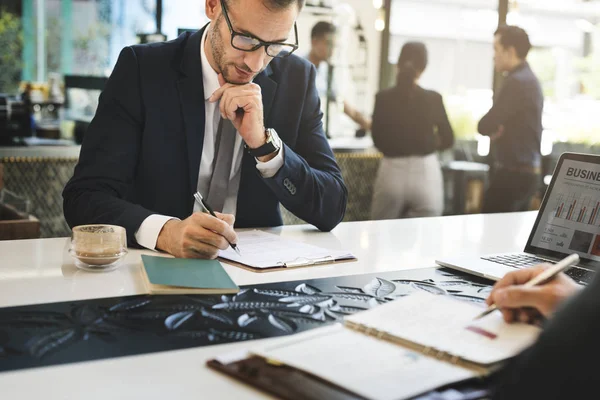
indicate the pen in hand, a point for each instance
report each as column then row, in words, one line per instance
column 548, row 274
column 208, row 209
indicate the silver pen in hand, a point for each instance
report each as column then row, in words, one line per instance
column 209, row 210
column 548, row 274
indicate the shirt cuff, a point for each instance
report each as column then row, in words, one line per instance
column 148, row 232
column 270, row 168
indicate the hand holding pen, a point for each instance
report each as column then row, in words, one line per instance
column 522, row 294
column 198, row 197
column 200, row 235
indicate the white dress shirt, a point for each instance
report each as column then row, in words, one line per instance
column 148, row 232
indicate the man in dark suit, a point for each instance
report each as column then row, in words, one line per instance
column 514, row 125
column 225, row 111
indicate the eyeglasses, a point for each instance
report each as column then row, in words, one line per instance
column 249, row 43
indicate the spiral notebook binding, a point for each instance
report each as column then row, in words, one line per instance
column 425, row 350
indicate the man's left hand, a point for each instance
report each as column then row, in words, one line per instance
column 242, row 105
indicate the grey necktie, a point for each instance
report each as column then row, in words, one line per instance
column 219, row 180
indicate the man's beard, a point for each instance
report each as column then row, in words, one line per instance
column 224, row 67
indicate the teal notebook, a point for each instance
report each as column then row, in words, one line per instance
column 183, row 276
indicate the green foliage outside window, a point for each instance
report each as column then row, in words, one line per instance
column 11, row 39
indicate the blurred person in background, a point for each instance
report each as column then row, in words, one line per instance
column 514, row 125
column 323, row 38
column 410, row 125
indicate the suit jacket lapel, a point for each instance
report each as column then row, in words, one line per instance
column 191, row 97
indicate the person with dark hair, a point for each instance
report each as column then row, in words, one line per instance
column 410, row 125
column 514, row 125
column 227, row 111
column 323, row 38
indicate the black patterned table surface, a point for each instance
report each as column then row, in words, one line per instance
column 66, row 332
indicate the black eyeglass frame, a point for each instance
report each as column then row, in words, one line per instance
column 261, row 43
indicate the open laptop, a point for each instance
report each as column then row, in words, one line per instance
column 568, row 222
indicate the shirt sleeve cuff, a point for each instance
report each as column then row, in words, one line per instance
column 148, row 232
column 270, row 168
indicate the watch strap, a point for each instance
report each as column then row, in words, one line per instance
column 270, row 147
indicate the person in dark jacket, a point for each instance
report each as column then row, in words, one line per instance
column 409, row 126
column 218, row 111
column 514, row 125
column 561, row 363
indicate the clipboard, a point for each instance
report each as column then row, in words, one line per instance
column 281, row 380
column 266, row 252
column 289, row 383
column 292, row 265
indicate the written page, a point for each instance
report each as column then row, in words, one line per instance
column 367, row 366
column 448, row 325
column 266, row 250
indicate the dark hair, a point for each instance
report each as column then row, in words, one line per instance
column 513, row 36
column 321, row 29
column 412, row 62
column 279, row 4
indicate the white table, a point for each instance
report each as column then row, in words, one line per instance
column 40, row 271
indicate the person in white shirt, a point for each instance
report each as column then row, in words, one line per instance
column 227, row 111
column 323, row 39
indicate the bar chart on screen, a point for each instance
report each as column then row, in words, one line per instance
column 570, row 216
column 577, row 207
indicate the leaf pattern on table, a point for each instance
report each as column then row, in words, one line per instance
column 250, row 305
column 175, row 321
column 350, row 310
column 307, row 289
column 429, row 288
column 259, row 311
column 347, row 289
column 286, row 326
column 39, row 346
column 276, row 293
column 130, row 305
column 460, row 283
column 217, row 317
column 352, row 296
column 406, row 286
column 301, row 300
column 141, row 315
column 241, row 295
column 247, row 319
column 471, row 299
column 379, row 287
column 235, row 335
column 318, row 318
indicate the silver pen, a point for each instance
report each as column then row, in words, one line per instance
column 209, row 210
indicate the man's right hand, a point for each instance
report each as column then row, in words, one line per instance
column 517, row 302
column 198, row 236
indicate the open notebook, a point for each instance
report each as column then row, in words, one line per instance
column 266, row 251
column 395, row 351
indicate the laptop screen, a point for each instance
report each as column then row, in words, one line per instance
column 569, row 218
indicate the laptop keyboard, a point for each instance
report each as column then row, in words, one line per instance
column 519, row 261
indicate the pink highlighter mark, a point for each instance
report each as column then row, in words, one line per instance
column 482, row 332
